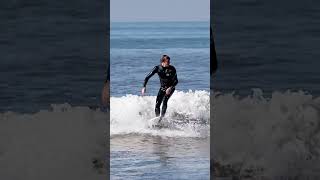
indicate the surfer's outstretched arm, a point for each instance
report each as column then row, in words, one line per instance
column 151, row 73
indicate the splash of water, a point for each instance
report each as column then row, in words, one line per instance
column 188, row 114
column 279, row 135
column 63, row 143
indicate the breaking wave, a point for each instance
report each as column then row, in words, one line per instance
column 277, row 136
column 188, row 115
column 62, row 143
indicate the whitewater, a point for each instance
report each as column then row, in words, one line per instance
column 180, row 150
column 276, row 135
column 188, row 115
column 265, row 137
column 64, row 142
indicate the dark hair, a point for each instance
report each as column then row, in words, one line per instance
column 164, row 57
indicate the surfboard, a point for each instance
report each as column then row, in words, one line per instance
column 154, row 123
column 155, row 119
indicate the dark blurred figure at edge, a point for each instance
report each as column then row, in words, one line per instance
column 105, row 97
column 213, row 55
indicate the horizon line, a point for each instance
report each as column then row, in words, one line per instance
column 130, row 21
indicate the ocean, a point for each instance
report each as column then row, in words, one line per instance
column 52, row 71
column 264, row 106
column 181, row 151
column 265, row 109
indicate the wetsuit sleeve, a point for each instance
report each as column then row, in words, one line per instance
column 151, row 73
column 175, row 79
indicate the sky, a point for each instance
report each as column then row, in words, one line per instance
column 159, row 10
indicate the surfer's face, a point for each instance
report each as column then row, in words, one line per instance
column 166, row 63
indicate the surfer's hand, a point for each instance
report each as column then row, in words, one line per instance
column 168, row 91
column 143, row 91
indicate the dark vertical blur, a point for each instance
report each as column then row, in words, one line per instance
column 213, row 69
column 213, row 55
column 107, row 84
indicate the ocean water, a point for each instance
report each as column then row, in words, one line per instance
column 137, row 47
column 49, row 87
column 267, row 45
column 182, row 150
column 52, row 70
column 265, row 108
column 52, row 54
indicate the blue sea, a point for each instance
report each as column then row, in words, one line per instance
column 137, row 47
column 52, row 70
column 268, row 45
column 181, row 150
column 265, row 109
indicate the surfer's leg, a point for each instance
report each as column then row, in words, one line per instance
column 165, row 102
column 158, row 101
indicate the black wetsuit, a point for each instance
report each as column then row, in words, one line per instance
column 168, row 78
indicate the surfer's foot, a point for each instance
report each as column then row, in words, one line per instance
column 160, row 119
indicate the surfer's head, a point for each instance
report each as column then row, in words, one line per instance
column 165, row 60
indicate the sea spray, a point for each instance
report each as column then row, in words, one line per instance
column 188, row 114
column 278, row 136
column 64, row 142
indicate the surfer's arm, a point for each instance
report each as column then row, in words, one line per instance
column 151, row 73
column 175, row 79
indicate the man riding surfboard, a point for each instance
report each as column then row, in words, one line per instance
column 168, row 80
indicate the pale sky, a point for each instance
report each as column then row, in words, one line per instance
column 159, row 10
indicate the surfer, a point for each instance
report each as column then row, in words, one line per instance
column 168, row 80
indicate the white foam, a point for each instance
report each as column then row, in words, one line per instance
column 280, row 135
column 131, row 114
column 57, row 144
